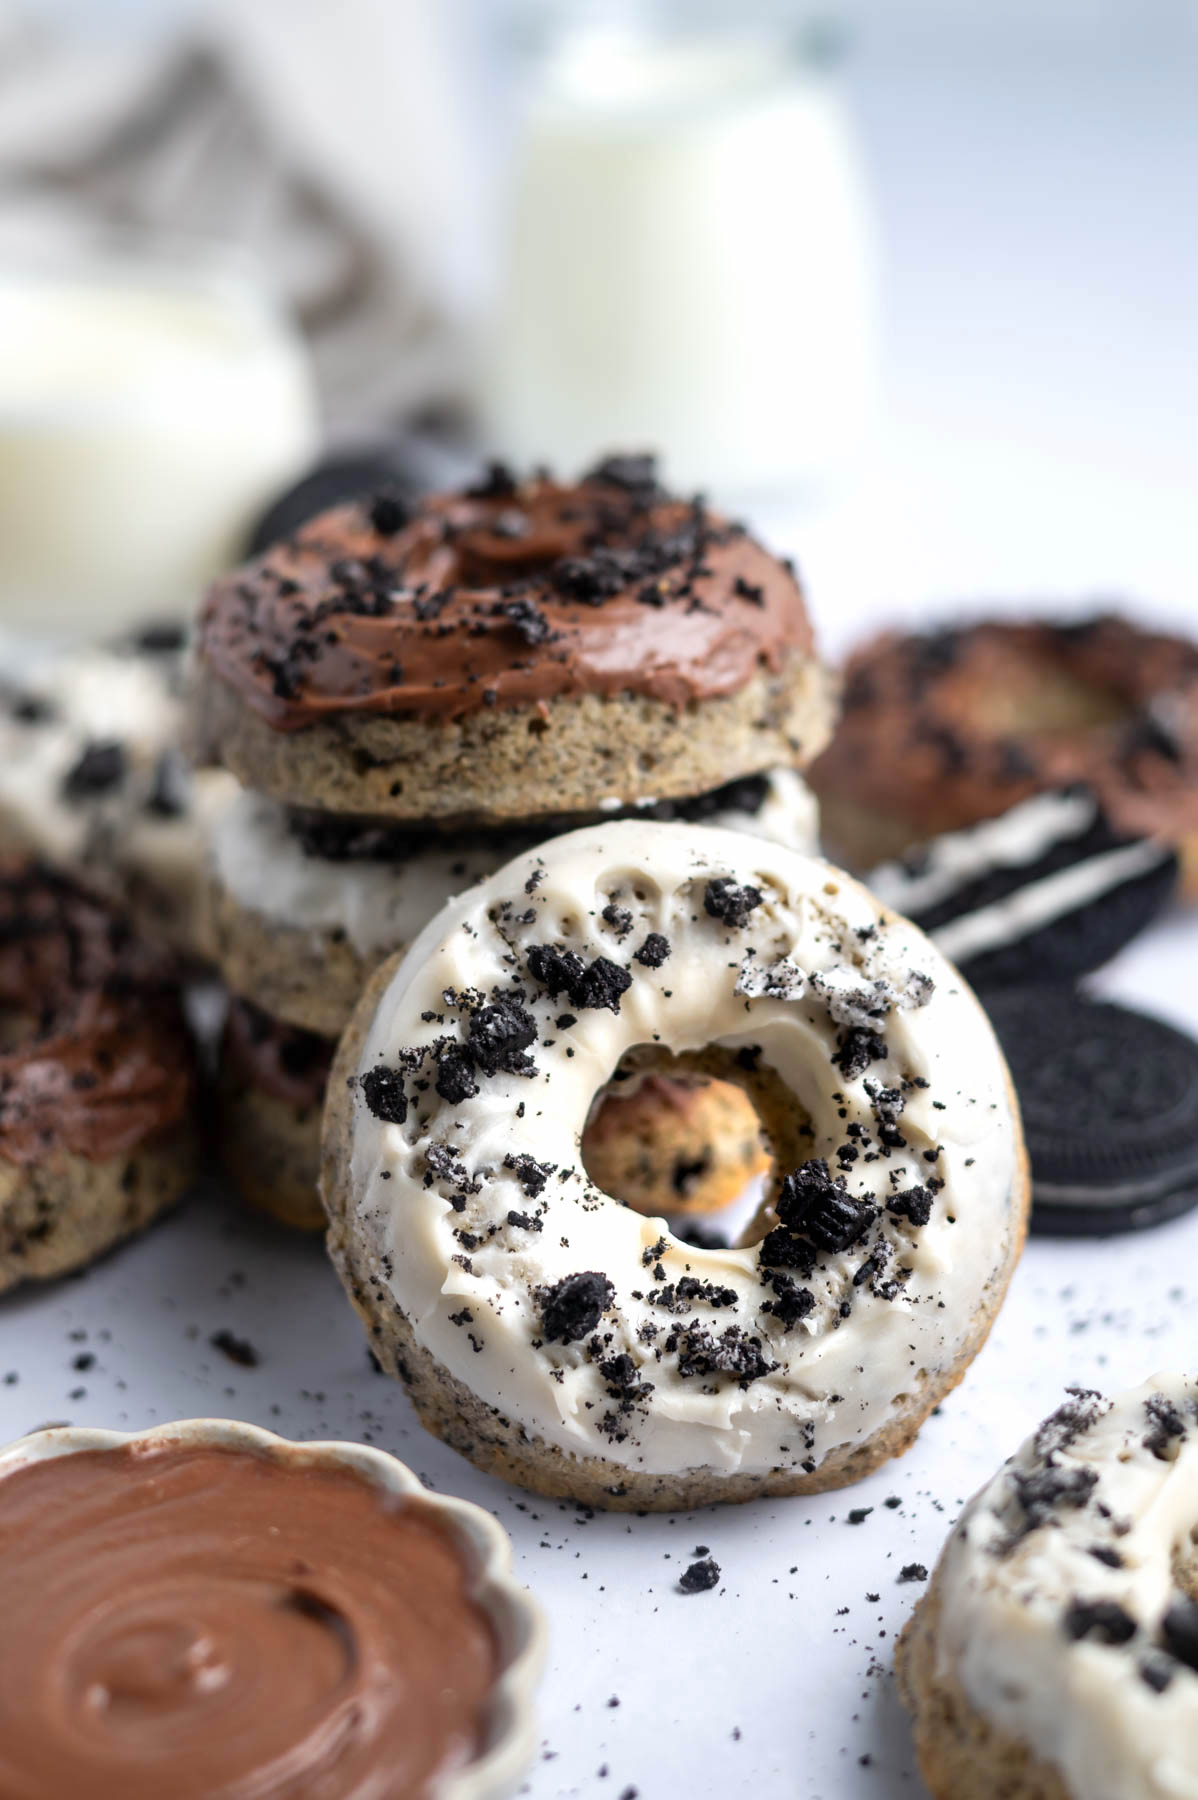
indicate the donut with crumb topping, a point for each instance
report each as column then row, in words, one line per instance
column 519, row 649
column 96, row 1078
column 569, row 1343
column 942, row 729
column 1054, row 1655
column 93, row 781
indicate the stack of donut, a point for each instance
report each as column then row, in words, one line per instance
column 410, row 697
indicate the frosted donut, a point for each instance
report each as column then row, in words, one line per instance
column 97, row 1079
column 565, row 1341
column 1055, row 1654
column 93, row 782
column 304, row 906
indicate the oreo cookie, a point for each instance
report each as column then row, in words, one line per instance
column 331, row 482
column 1109, row 1099
column 1046, row 892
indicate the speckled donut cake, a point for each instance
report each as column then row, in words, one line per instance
column 576, row 1347
column 1055, row 1654
column 94, row 782
column 267, row 1104
column 96, row 1079
column 518, row 650
column 305, row 905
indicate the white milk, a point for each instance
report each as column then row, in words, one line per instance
column 688, row 265
column 144, row 417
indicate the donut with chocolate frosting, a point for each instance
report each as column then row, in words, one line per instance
column 96, row 1078
column 517, row 649
column 942, row 729
column 269, row 1093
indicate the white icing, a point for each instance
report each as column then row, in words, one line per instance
column 1031, row 908
column 101, row 696
column 381, row 905
column 95, row 697
column 789, row 814
column 837, row 1381
column 952, row 861
column 1083, row 1706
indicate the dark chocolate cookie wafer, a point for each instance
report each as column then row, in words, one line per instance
column 1110, row 1110
column 332, row 481
column 1046, row 892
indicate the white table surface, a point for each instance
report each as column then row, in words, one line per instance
column 1043, row 391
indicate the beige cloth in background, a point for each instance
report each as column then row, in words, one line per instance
column 326, row 137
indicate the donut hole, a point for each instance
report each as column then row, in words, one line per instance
column 695, row 1138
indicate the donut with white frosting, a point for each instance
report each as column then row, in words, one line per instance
column 304, row 906
column 1055, row 1655
column 571, row 1344
column 93, row 781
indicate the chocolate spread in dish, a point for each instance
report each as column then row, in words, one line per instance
column 210, row 1623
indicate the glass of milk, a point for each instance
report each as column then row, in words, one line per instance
column 688, row 258
column 149, row 405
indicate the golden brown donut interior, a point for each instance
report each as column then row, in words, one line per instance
column 709, row 1091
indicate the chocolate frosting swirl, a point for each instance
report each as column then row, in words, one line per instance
column 101, row 1060
column 945, row 728
column 509, row 594
column 201, row 1621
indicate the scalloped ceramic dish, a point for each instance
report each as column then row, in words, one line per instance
column 517, row 1620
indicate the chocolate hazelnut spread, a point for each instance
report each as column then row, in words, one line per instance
column 190, row 1620
column 507, row 595
column 282, row 1060
column 96, row 1058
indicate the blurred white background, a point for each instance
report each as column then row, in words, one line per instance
column 1029, row 172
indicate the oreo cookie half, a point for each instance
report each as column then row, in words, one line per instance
column 1110, row 1110
column 329, row 484
column 1046, row 892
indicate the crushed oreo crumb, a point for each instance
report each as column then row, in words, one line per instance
column 572, row 1308
column 99, row 768
column 238, row 1350
column 724, row 900
column 597, row 984
column 1104, row 1621
column 383, row 1092
column 699, row 1577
